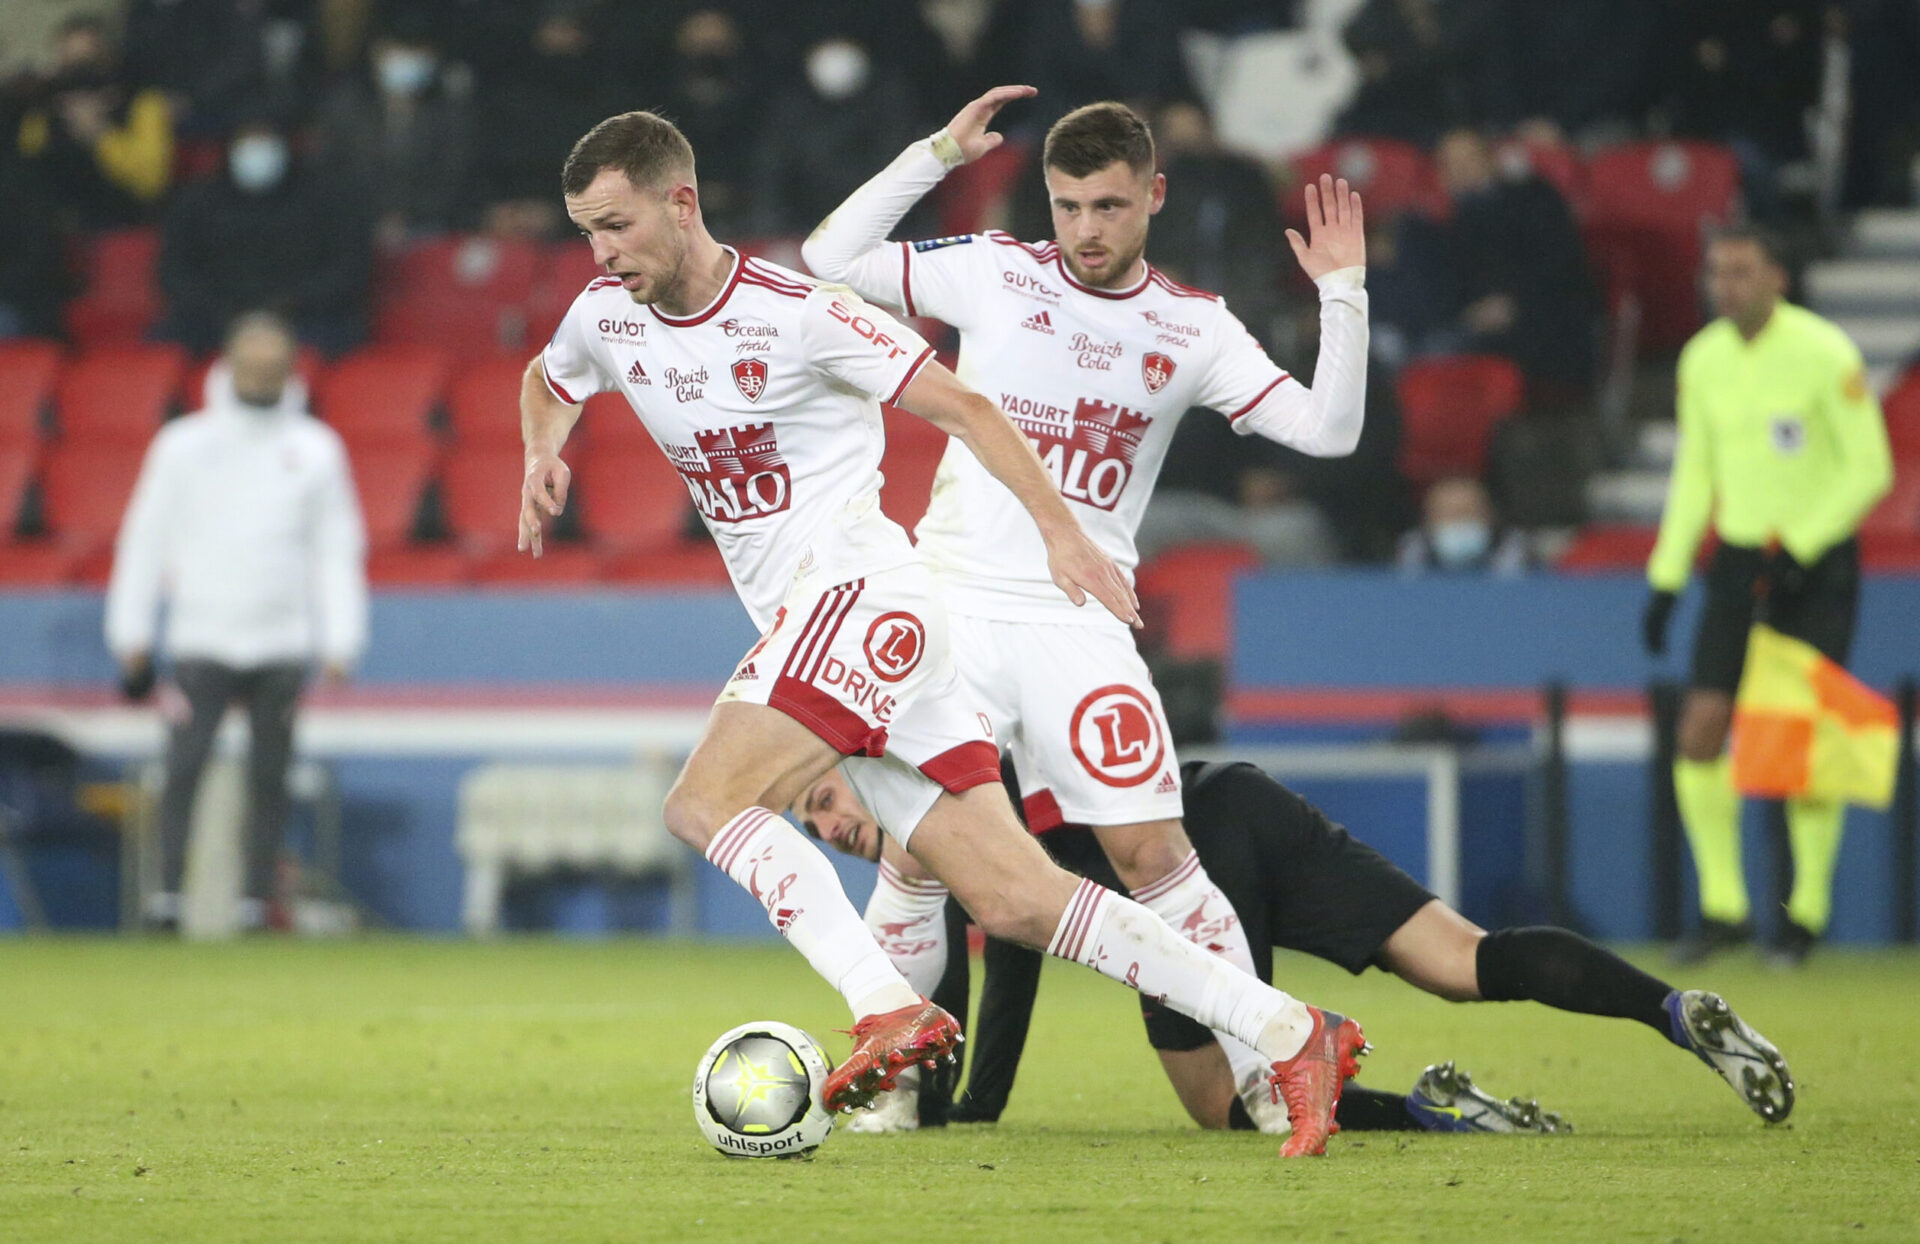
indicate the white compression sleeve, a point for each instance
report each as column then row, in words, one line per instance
column 1326, row 420
column 849, row 246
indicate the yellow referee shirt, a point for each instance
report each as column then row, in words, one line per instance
column 1779, row 440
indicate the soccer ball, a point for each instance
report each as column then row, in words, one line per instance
column 757, row 1092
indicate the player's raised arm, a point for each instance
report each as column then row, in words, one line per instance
column 545, row 421
column 1325, row 419
column 850, row 245
column 1078, row 565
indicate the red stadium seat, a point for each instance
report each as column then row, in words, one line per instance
column 1899, row 511
column 27, row 373
column 691, row 564
column 631, row 497
column 1902, row 409
column 914, row 450
column 390, row 480
column 560, row 564
column 467, row 294
column 1448, row 409
column 119, row 394
column 968, row 193
column 1605, row 547
column 1648, row 206
column 608, row 421
column 1391, row 176
column 483, row 406
column 420, row 565
column 479, row 496
column 1186, row 596
column 383, row 395
column 1890, row 551
column 16, row 472
column 565, row 269
column 85, row 488
column 37, row 563
column 308, row 364
column 120, row 298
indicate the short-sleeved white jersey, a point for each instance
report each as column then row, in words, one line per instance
column 1097, row 379
column 768, row 404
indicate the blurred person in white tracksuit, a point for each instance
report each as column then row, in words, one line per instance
column 245, row 523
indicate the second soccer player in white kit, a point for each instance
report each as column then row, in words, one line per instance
column 763, row 388
column 1095, row 355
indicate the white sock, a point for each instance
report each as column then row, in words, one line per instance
column 772, row 861
column 1123, row 941
column 908, row 917
column 1194, row 907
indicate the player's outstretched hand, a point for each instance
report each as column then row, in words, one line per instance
column 542, row 493
column 1080, row 568
column 1336, row 231
column 969, row 125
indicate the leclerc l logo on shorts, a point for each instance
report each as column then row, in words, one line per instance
column 1116, row 736
column 894, row 645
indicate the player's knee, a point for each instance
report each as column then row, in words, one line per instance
column 690, row 816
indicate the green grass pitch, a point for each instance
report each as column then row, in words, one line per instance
column 538, row 1090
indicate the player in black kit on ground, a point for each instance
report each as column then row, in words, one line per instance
column 1303, row 883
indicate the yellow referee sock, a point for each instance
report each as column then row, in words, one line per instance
column 1710, row 810
column 1813, row 829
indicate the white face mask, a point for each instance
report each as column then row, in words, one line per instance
column 404, row 72
column 837, row 69
column 1460, row 541
column 258, row 162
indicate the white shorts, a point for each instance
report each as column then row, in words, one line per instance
column 866, row 665
column 1077, row 710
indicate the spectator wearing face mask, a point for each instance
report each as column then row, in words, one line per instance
column 102, row 149
column 1460, row 534
column 246, row 524
column 266, row 232
column 823, row 134
column 405, row 132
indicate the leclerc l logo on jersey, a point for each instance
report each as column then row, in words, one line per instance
column 735, row 474
column 1156, row 369
column 894, row 645
column 750, row 377
column 1116, row 736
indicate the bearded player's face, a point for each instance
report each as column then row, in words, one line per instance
column 638, row 234
column 1100, row 221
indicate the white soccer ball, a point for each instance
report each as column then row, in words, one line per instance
column 757, row 1092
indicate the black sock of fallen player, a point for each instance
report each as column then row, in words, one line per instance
column 1562, row 969
column 1361, row 1109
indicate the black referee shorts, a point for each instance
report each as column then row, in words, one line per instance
column 1299, row 882
column 1821, row 613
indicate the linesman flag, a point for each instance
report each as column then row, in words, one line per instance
column 1805, row 728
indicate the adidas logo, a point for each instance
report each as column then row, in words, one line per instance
column 637, row 374
column 747, row 673
column 1167, row 785
column 1039, row 322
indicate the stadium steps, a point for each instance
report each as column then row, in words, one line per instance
column 1872, row 290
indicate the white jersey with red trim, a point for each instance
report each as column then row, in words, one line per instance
column 768, row 404
column 1098, row 379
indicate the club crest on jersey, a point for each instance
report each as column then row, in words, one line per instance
column 894, row 644
column 750, row 377
column 735, row 474
column 1116, row 736
column 1156, row 369
column 934, row 244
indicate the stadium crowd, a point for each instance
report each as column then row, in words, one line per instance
column 384, row 173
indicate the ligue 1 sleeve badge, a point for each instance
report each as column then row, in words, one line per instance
column 1156, row 369
column 750, row 377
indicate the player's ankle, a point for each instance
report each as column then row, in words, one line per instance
column 890, row 997
column 1286, row 1033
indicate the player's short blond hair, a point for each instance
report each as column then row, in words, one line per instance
column 1090, row 138
column 645, row 146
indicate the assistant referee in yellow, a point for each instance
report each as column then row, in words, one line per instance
column 1784, row 450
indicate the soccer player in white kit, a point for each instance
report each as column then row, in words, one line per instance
column 762, row 388
column 1095, row 355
